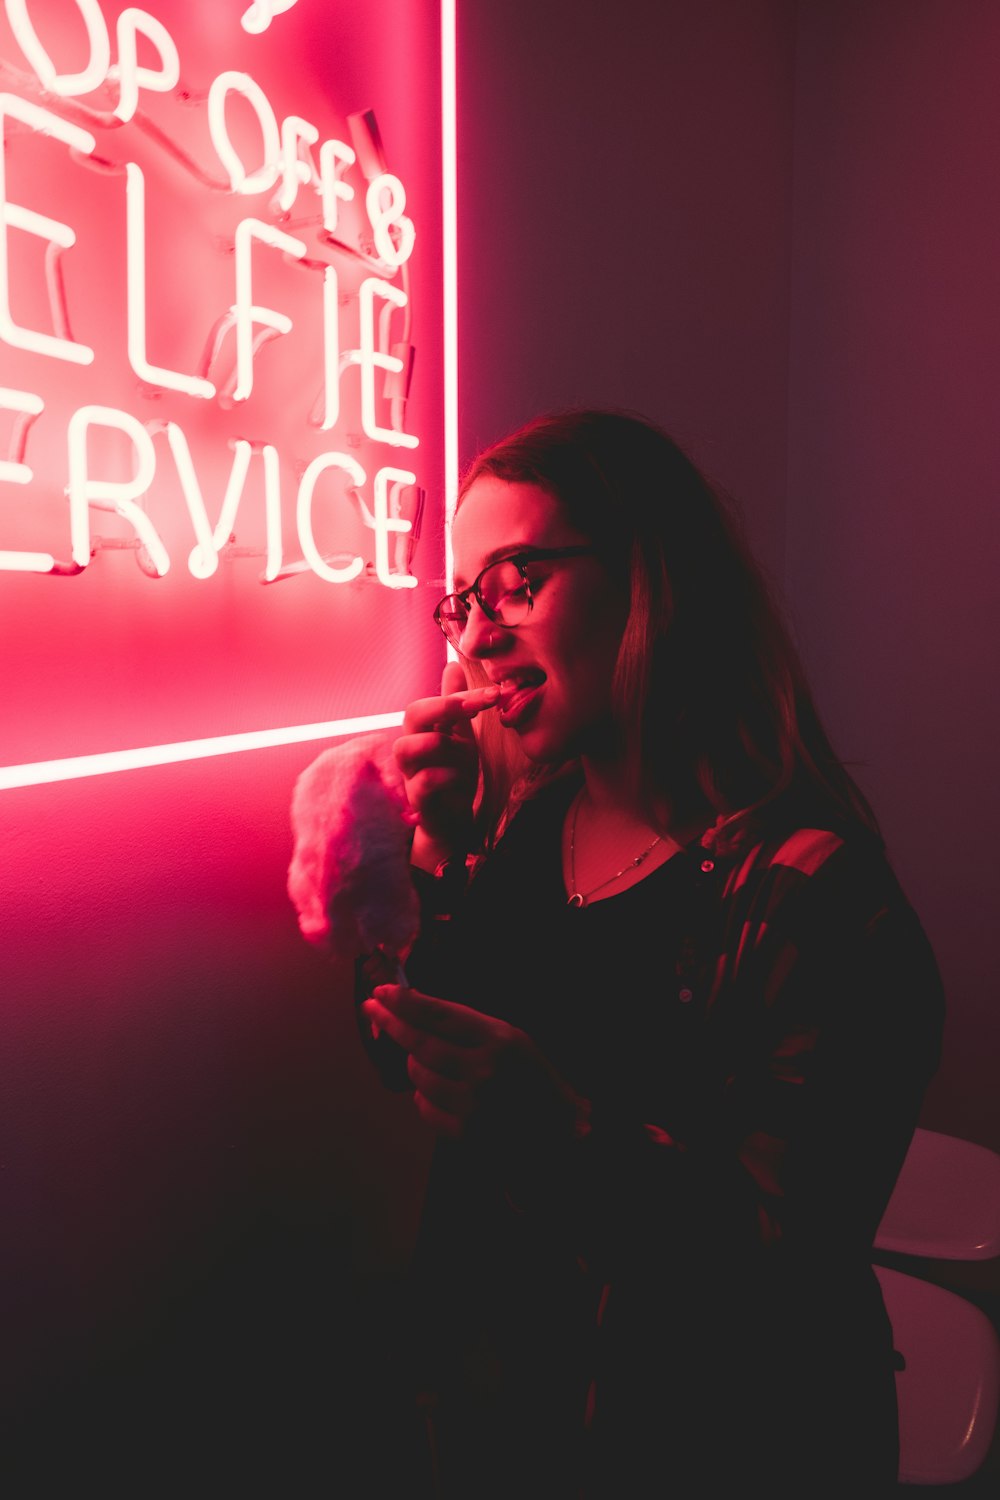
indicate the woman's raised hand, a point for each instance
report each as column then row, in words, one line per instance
column 439, row 761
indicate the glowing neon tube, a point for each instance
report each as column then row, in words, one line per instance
column 72, row 767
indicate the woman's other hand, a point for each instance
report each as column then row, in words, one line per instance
column 439, row 761
column 461, row 1063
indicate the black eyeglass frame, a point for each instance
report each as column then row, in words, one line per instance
column 521, row 560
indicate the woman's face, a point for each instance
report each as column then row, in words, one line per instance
column 555, row 668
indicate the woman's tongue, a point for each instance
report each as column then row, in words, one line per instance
column 517, row 692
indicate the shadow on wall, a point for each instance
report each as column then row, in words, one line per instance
column 275, row 1373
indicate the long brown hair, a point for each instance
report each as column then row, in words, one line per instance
column 710, row 697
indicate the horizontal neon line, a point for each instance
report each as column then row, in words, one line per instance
column 37, row 773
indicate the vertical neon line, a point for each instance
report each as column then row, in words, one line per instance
column 449, row 224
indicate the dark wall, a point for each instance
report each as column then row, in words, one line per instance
column 625, row 214
column 894, row 466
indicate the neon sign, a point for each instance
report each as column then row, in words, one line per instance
column 207, row 292
column 258, row 17
column 287, row 160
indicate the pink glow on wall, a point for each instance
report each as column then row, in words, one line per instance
column 223, row 323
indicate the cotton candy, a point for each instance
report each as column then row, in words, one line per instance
column 349, row 877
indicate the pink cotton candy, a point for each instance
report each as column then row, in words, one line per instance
column 349, row 878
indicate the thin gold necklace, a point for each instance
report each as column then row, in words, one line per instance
column 580, row 898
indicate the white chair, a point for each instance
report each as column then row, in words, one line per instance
column 946, row 1202
column 949, row 1385
column 945, row 1206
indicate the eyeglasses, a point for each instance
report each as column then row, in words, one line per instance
column 502, row 591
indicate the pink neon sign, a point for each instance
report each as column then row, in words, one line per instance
column 223, row 345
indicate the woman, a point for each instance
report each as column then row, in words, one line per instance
column 671, row 1015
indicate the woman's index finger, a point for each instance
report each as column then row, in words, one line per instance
column 449, row 713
